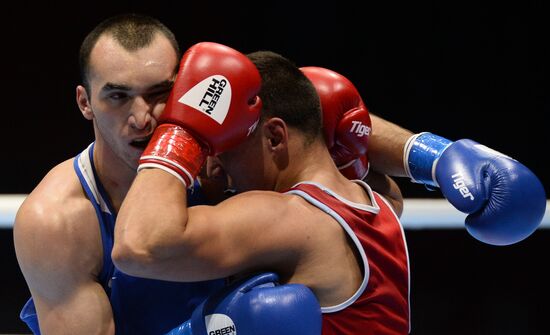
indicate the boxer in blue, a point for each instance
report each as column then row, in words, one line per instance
column 64, row 229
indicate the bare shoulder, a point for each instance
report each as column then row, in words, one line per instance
column 289, row 217
column 56, row 225
column 256, row 230
column 266, row 205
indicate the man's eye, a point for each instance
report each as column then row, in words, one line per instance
column 118, row 96
column 157, row 95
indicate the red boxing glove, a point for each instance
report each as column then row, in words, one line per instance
column 346, row 121
column 213, row 106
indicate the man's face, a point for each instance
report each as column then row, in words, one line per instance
column 246, row 165
column 128, row 92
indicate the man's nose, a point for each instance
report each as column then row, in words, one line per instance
column 141, row 116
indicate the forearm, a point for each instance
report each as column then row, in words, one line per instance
column 151, row 221
column 386, row 145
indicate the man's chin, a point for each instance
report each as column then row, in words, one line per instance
column 133, row 162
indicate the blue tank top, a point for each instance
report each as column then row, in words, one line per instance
column 140, row 305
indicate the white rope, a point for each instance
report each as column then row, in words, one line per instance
column 418, row 213
column 440, row 214
column 9, row 203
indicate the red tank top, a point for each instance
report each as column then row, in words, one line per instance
column 381, row 304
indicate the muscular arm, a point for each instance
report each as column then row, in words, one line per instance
column 200, row 242
column 57, row 264
column 386, row 145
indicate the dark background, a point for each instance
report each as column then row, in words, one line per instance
column 464, row 69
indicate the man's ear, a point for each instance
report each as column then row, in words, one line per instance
column 84, row 103
column 276, row 132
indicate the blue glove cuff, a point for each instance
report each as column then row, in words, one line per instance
column 421, row 153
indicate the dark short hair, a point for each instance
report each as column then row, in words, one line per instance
column 132, row 31
column 288, row 94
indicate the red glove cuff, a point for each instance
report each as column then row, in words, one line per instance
column 175, row 151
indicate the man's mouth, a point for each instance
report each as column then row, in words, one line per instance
column 140, row 143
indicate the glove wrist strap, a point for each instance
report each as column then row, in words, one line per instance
column 420, row 157
column 175, row 151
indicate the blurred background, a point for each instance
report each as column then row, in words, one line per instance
column 466, row 69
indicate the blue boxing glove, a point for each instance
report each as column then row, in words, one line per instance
column 256, row 306
column 504, row 199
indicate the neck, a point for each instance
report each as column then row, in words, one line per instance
column 115, row 175
column 308, row 163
